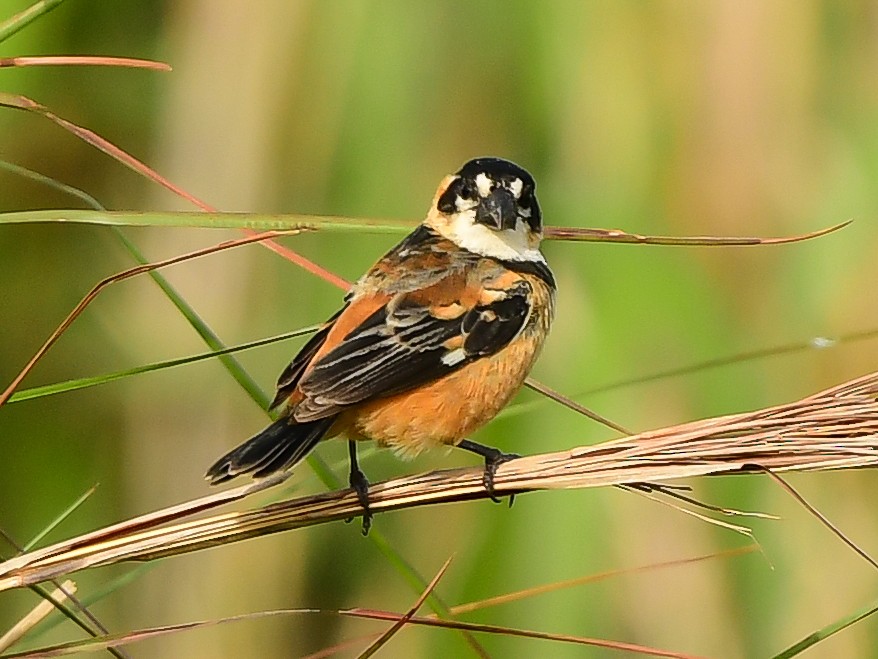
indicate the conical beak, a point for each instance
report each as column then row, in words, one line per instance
column 498, row 210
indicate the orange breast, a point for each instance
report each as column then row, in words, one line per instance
column 445, row 411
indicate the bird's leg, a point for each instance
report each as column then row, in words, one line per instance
column 493, row 459
column 360, row 485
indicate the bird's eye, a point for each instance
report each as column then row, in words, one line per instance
column 467, row 189
column 459, row 189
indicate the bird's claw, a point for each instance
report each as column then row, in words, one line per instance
column 492, row 462
column 360, row 485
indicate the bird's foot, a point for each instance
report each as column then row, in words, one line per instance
column 360, row 485
column 493, row 459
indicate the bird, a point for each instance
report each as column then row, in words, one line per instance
column 430, row 343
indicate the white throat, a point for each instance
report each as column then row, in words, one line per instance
column 506, row 245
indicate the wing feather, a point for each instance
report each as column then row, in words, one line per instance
column 403, row 344
column 289, row 379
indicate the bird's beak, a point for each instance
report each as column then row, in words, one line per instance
column 498, row 210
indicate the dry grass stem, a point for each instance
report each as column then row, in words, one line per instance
column 401, row 622
column 83, row 60
column 35, row 616
column 121, row 276
column 619, row 236
column 834, row 429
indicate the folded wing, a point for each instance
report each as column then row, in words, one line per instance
column 408, row 342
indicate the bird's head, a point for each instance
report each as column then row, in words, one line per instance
column 489, row 207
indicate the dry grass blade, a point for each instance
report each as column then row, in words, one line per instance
column 619, row 236
column 824, row 520
column 534, row 591
column 111, row 641
column 121, row 276
column 36, row 615
column 305, row 264
column 834, row 429
column 521, row 633
column 399, row 624
column 88, row 136
column 116, row 640
column 56, row 600
column 569, row 403
column 737, row 528
column 84, row 60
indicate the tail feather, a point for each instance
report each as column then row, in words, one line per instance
column 280, row 446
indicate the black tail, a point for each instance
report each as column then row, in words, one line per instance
column 278, row 447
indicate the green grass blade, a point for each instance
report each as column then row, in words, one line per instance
column 60, row 518
column 73, row 615
column 84, row 383
column 829, row 630
column 24, row 172
column 232, row 365
column 22, row 19
column 204, row 220
column 73, row 610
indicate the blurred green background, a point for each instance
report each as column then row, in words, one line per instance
column 731, row 118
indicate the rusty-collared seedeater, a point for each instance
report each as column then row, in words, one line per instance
column 431, row 343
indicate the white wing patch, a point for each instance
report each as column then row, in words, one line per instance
column 454, row 357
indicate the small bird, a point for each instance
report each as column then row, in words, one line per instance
column 431, row 343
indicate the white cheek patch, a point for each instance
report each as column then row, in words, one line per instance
column 483, row 184
column 511, row 245
column 515, row 187
column 463, row 205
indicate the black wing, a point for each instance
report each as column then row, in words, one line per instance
column 403, row 345
column 288, row 380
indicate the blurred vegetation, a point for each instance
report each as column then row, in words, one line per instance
column 748, row 118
